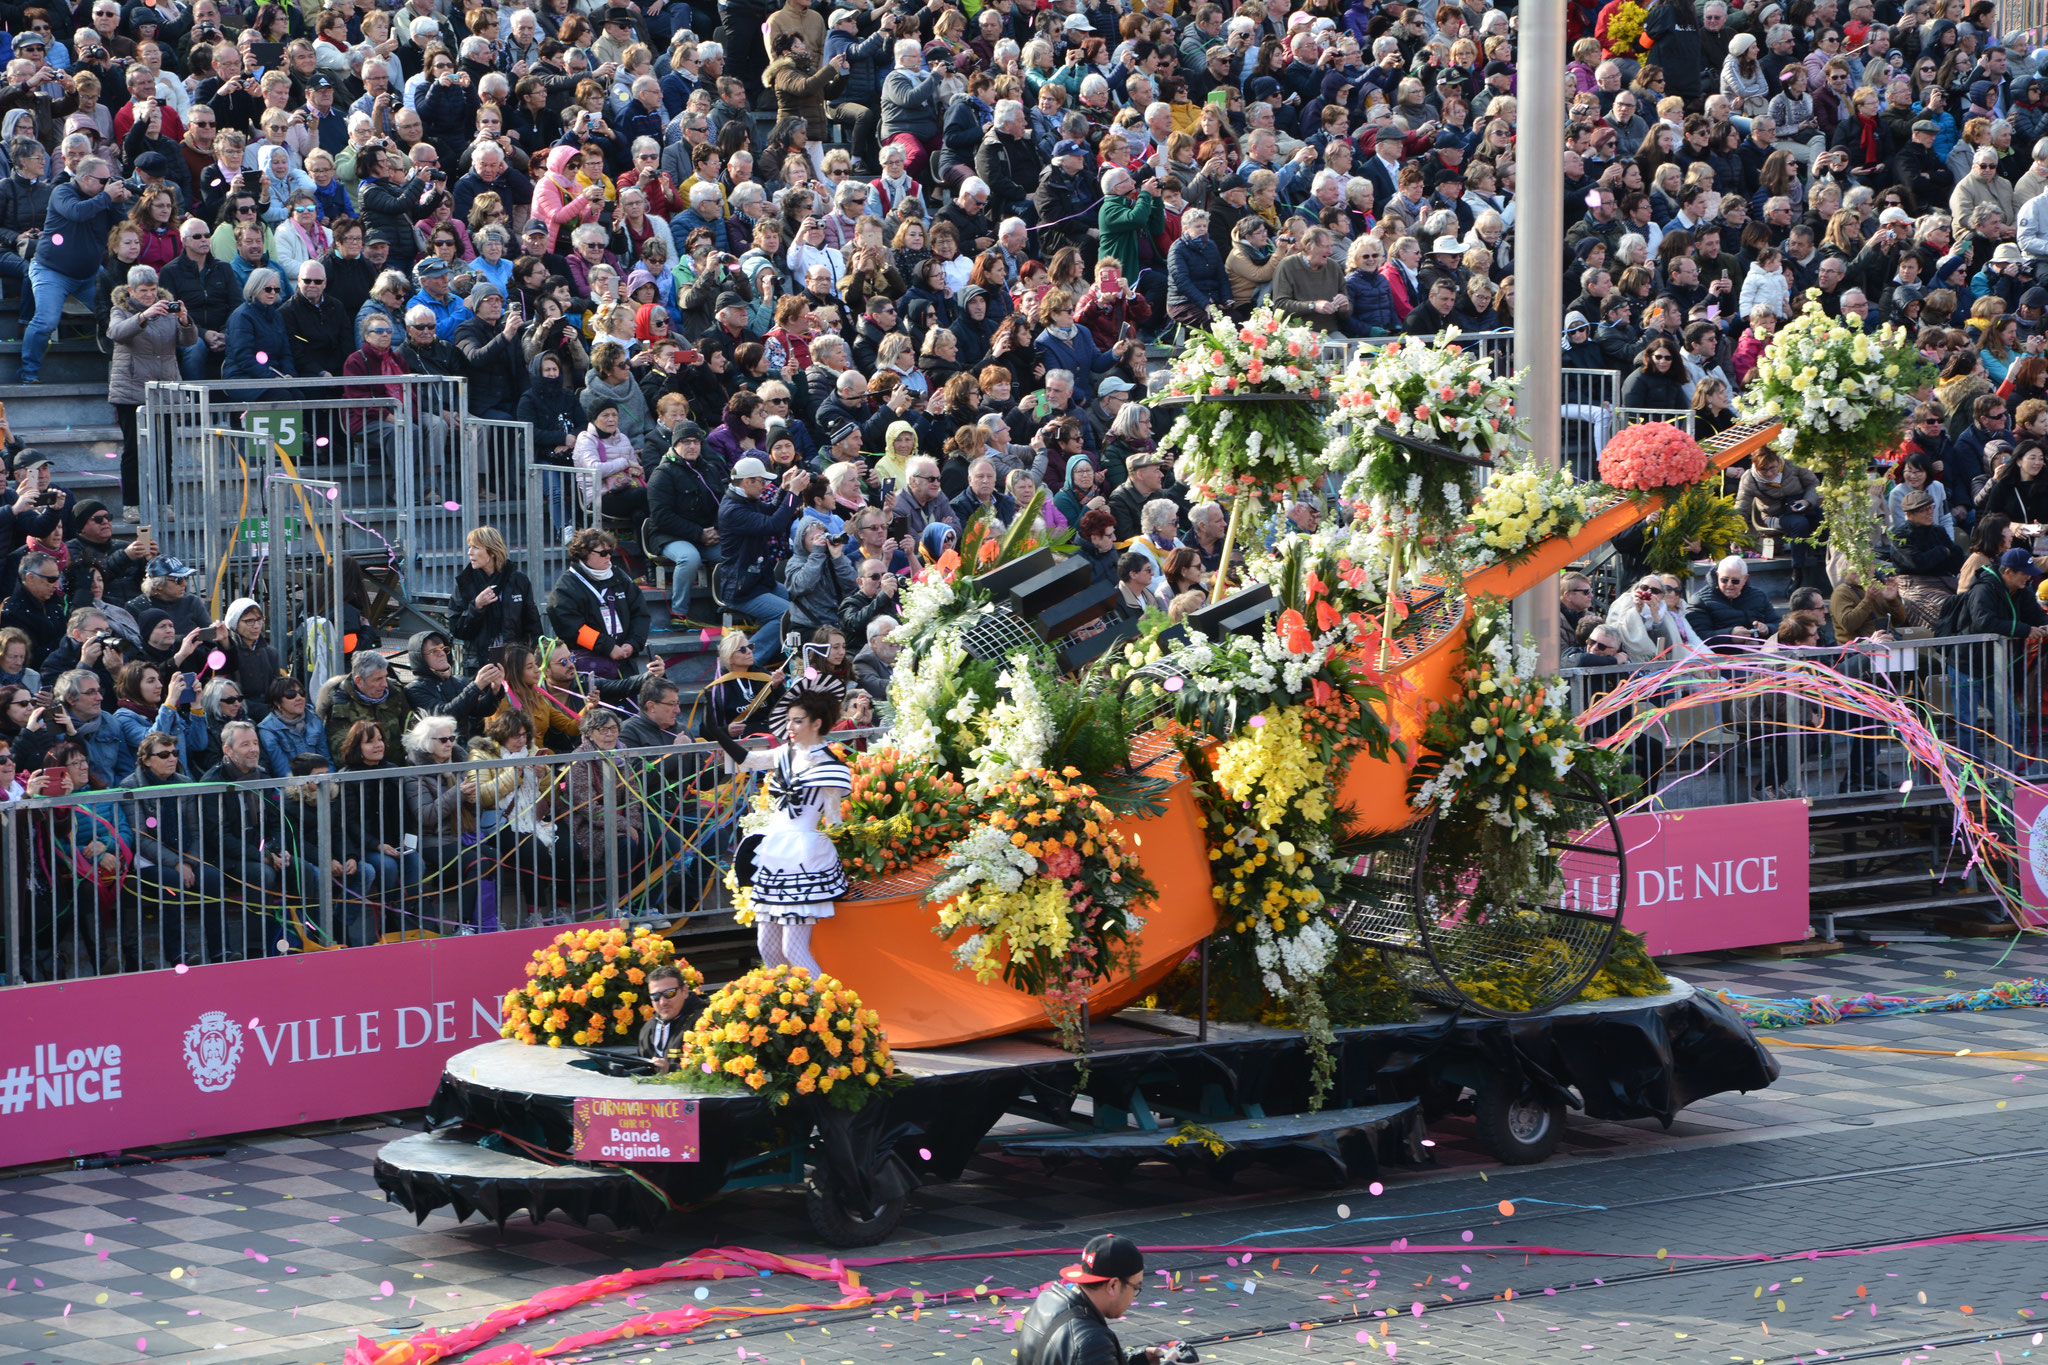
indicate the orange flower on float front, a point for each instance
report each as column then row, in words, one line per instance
column 1294, row 632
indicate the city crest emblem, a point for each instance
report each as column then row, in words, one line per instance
column 213, row 1048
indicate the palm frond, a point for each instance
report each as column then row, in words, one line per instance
column 1020, row 529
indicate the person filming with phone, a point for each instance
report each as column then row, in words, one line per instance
column 1069, row 1324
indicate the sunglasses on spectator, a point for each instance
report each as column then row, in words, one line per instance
column 669, row 994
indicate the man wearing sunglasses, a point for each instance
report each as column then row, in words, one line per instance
column 675, row 1009
column 37, row 606
column 210, row 291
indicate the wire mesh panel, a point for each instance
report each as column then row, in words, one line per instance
column 1536, row 953
column 1418, row 893
column 555, row 510
column 494, row 474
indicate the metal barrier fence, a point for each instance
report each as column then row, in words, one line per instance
column 415, row 472
column 141, row 876
column 556, row 507
column 1587, row 419
column 1712, row 753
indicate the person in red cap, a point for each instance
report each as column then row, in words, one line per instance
column 1069, row 1324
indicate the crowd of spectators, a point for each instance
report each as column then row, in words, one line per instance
column 800, row 290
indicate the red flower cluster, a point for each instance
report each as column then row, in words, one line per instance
column 1651, row 456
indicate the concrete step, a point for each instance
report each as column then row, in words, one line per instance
column 67, row 360
column 54, row 403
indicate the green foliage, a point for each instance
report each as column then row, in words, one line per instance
column 1699, row 518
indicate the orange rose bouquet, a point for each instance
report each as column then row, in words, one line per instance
column 1652, row 457
column 900, row 811
column 589, row 985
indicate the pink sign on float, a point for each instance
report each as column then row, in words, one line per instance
column 1709, row 879
column 130, row 1061
column 634, row 1130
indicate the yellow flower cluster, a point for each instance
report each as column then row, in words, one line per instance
column 1521, row 505
column 585, row 985
column 1037, row 914
column 779, row 1033
column 1254, row 860
column 1269, row 763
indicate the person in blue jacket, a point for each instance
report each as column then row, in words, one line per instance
column 259, row 344
column 753, row 534
column 1065, row 345
column 68, row 256
column 1372, row 298
column 1195, row 280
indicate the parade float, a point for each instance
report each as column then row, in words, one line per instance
column 1288, row 877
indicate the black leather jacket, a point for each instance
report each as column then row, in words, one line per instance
column 1064, row 1328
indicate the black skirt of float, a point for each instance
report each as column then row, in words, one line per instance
column 499, row 1127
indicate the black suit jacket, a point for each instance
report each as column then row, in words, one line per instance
column 676, row 1029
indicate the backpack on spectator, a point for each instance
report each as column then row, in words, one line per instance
column 1955, row 614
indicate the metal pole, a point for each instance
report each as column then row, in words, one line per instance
column 1539, row 266
column 322, row 794
column 608, row 773
column 14, row 871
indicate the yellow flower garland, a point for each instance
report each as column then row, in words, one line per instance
column 1269, row 763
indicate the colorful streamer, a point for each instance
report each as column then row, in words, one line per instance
column 428, row 1347
column 1642, row 701
column 1760, row 1011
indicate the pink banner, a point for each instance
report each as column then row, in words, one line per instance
column 2030, row 824
column 1709, row 879
column 128, row 1061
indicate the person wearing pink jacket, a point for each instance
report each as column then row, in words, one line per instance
column 556, row 199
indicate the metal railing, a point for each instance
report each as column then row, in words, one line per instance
column 299, row 539
column 1677, row 417
column 132, row 878
column 1710, row 753
column 557, row 504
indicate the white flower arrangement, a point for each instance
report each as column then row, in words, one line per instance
column 1842, row 394
column 915, row 689
column 986, row 857
column 1823, row 374
column 925, row 600
column 1019, row 729
column 1439, row 393
column 1301, row 955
